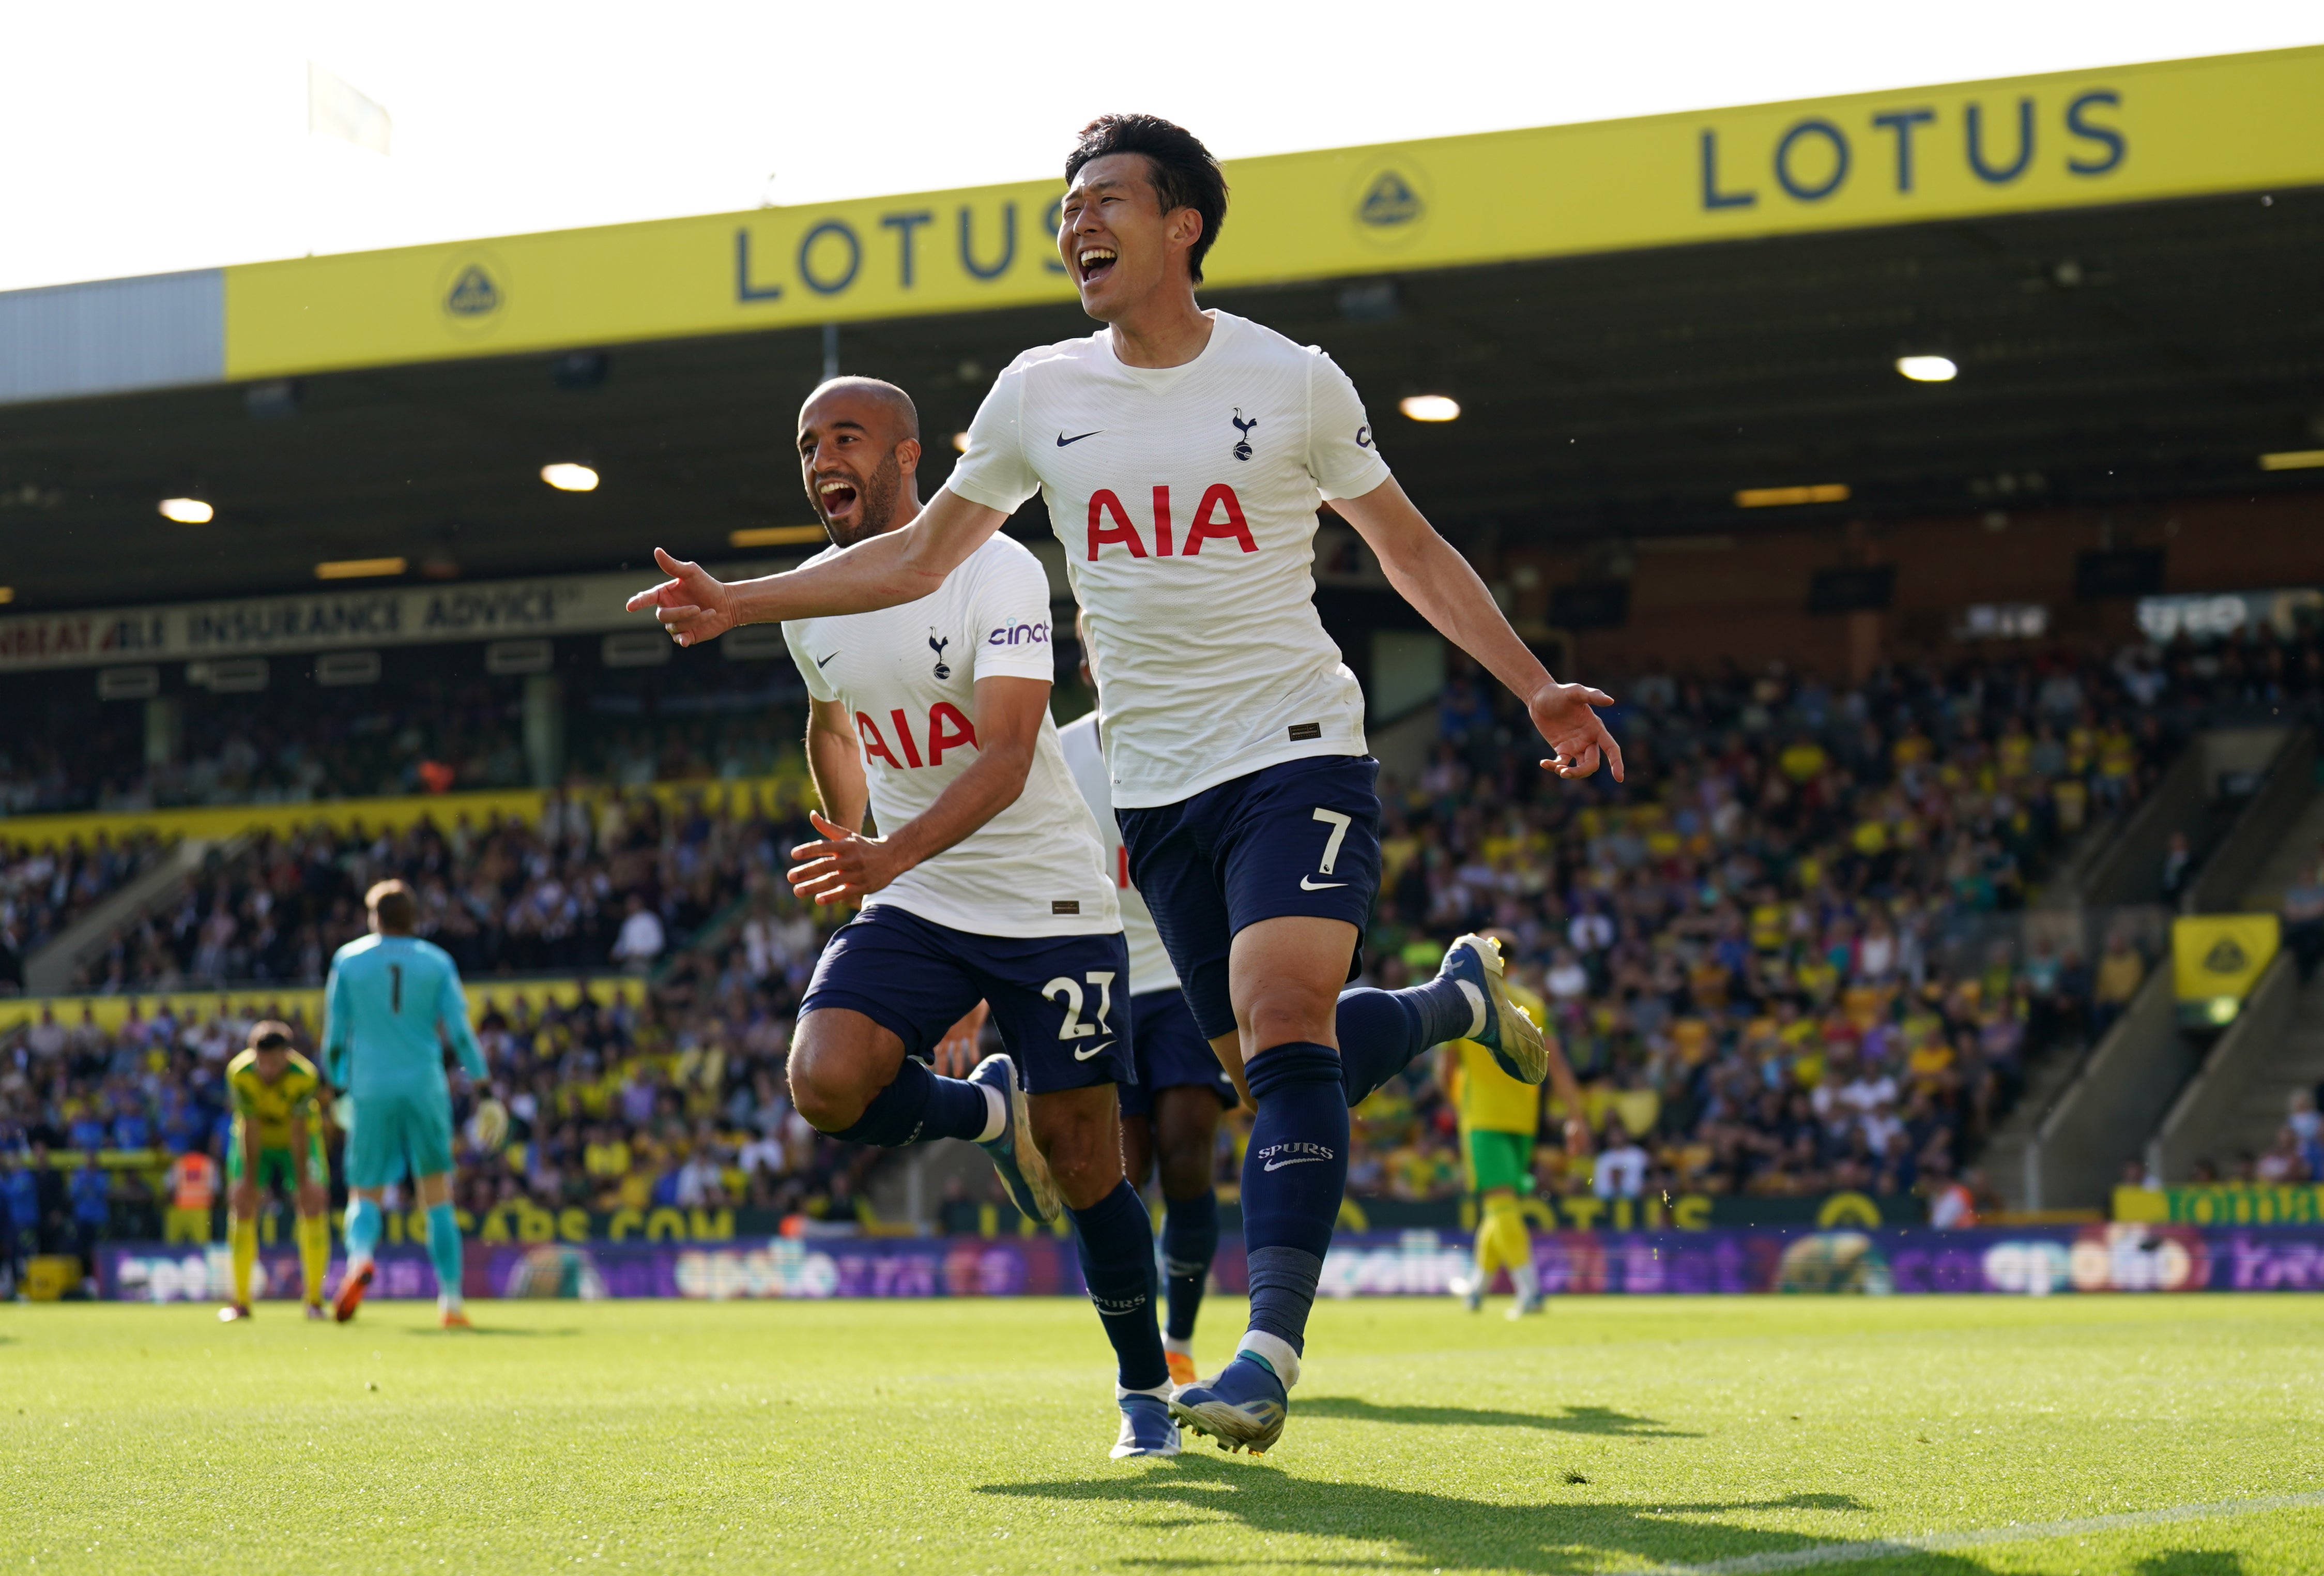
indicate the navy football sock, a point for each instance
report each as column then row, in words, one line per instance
column 920, row 1105
column 1190, row 1240
column 1294, row 1173
column 1382, row 1031
column 1117, row 1251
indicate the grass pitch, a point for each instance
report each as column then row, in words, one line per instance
column 2136, row 1435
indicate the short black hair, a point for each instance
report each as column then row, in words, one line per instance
column 1184, row 174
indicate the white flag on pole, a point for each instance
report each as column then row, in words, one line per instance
column 335, row 109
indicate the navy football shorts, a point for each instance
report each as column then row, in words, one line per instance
column 1171, row 1054
column 1299, row 838
column 1056, row 999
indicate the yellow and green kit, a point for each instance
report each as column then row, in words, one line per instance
column 1500, row 1118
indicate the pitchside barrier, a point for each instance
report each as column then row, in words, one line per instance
column 2030, row 1261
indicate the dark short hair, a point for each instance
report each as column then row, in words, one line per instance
column 394, row 903
column 1184, row 174
column 269, row 1036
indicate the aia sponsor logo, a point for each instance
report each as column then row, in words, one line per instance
column 946, row 729
column 1219, row 517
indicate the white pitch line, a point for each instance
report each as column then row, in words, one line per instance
column 1940, row 1542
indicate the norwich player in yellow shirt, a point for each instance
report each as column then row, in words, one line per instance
column 1499, row 1119
column 278, row 1143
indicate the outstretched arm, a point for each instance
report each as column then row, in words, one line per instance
column 901, row 566
column 1438, row 581
column 1010, row 711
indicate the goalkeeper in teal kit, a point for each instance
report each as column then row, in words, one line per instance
column 387, row 995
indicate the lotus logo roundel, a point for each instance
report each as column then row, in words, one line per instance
column 472, row 294
column 1390, row 201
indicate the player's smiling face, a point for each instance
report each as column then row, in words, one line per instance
column 849, row 459
column 1118, row 245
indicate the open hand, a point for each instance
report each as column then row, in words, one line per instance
column 842, row 865
column 1565, row 715
column 693, row 605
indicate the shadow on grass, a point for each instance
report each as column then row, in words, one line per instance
column 2192, row 1563
column 1439, row 1532
column 1600, row 1420
column 488, row 1330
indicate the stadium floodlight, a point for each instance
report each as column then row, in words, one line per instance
column 358, row 568
column 188, row 511
column 7, row 594
column 1777, row 497
column 1928, row 368
column 570, row 479
column 1430, row 407
column 2293, row 460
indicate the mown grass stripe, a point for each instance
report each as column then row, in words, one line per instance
column 1943, row 1543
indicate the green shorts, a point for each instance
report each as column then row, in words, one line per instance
column 392, row 1132
column 278, row 1167
column 1498, row 1159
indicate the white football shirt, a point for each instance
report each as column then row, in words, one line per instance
column 1150, row 963
column 908, row 675
column 1186, row 498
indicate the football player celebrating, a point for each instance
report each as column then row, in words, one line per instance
column 1183, row 454
column 986, row 883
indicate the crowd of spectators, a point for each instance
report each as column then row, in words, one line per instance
column 297, row 743
column 44, row 887
column 1786, row 956
column 609, row 880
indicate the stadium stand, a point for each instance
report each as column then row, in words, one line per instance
column 1785, row 957
column 432, row 726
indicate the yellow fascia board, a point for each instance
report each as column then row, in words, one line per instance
column 2116, row 134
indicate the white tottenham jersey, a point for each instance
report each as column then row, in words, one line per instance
column 909, row 676
column 1185, row 498
column 1150, row 964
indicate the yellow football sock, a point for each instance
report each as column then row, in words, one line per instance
column 243, row 1235
column 1501, row 1239
column 314, row 1254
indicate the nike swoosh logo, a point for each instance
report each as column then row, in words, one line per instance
column 1295, row 1160
column 1064, row 441
column 821, row 661
column 1086, row 1055
column 1309, row 883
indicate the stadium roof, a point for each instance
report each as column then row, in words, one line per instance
column 1640, row 319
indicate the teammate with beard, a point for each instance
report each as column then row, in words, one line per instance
column 986, row 882
column 1183, row 454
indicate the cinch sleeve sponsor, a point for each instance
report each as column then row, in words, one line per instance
column 1011, row 612
column 818, row 683
column 1342, row 455
column 994, row 472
